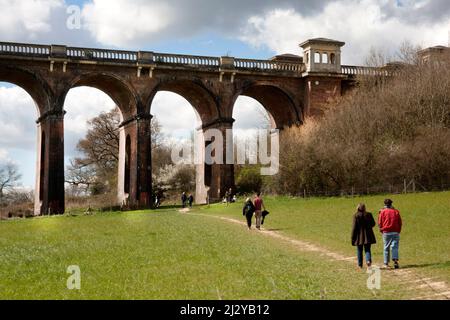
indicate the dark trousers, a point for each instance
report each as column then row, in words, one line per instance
column 360, row 250
column 249, row 219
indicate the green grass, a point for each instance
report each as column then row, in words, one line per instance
column 425, row 238
column 168, row 255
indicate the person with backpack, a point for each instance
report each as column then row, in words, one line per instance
column 362, row 234
column 390, row 223
column 248, row 211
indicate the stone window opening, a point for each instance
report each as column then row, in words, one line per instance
column 332, row 58
column 317, row 58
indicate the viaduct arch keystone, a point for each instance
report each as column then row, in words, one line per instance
column 290, row 87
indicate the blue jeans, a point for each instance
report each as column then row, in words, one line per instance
column 360, row 249
column 391, row 242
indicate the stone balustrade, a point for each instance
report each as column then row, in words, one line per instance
column 186, row 60
column 133, row 57
column 99, row 54
column 267, row 65
column 364, row 71
column 19, row 49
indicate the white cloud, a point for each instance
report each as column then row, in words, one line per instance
column 123, row 22
column 249, row 115
column 176, row 115
column 18, row 114
column 4, row 156
column 361, row 24
column 179, row 119
column 82, row 104
column 24, row 18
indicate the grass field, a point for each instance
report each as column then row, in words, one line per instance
column 165, row 254
column 425, row 238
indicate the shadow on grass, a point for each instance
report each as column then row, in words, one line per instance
column 170, row 207
column 425, row 265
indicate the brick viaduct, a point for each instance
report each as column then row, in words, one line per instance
column 290, row 87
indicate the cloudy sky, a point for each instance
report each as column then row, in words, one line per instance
column 240, row 28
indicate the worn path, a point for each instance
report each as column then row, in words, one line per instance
column 428, row 288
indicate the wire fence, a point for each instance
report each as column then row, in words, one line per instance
column 407, row 186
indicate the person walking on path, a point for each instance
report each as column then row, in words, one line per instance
column 230, row 195
column 183, row 199
column 259, row 205
column 248, row 211
column 390, row 223
column 362, row 234
column 226, row 198
column 191, row 200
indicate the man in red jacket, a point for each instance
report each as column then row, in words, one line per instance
column 390, row 223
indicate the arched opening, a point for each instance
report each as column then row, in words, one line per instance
column 19, row 148
column 204, row 115
column 92, row 147
column 325, row 58
column 111, row 105
column 252, row 120
column 259, row 111
column 174, row 134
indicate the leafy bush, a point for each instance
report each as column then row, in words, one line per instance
column 249, row 179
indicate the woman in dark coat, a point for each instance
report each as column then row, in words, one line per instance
column 248, row 211
column 362, row 234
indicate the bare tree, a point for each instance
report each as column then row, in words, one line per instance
column 9, row 177
column 156, row 134
column 97, row 168
column 408, row 53
column 100, row 153
column 80, row 175
column 100, row 147
column 377, row 58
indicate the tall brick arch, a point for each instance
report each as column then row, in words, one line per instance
column 133, row 187
column 49, row 187
column 206, row 103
